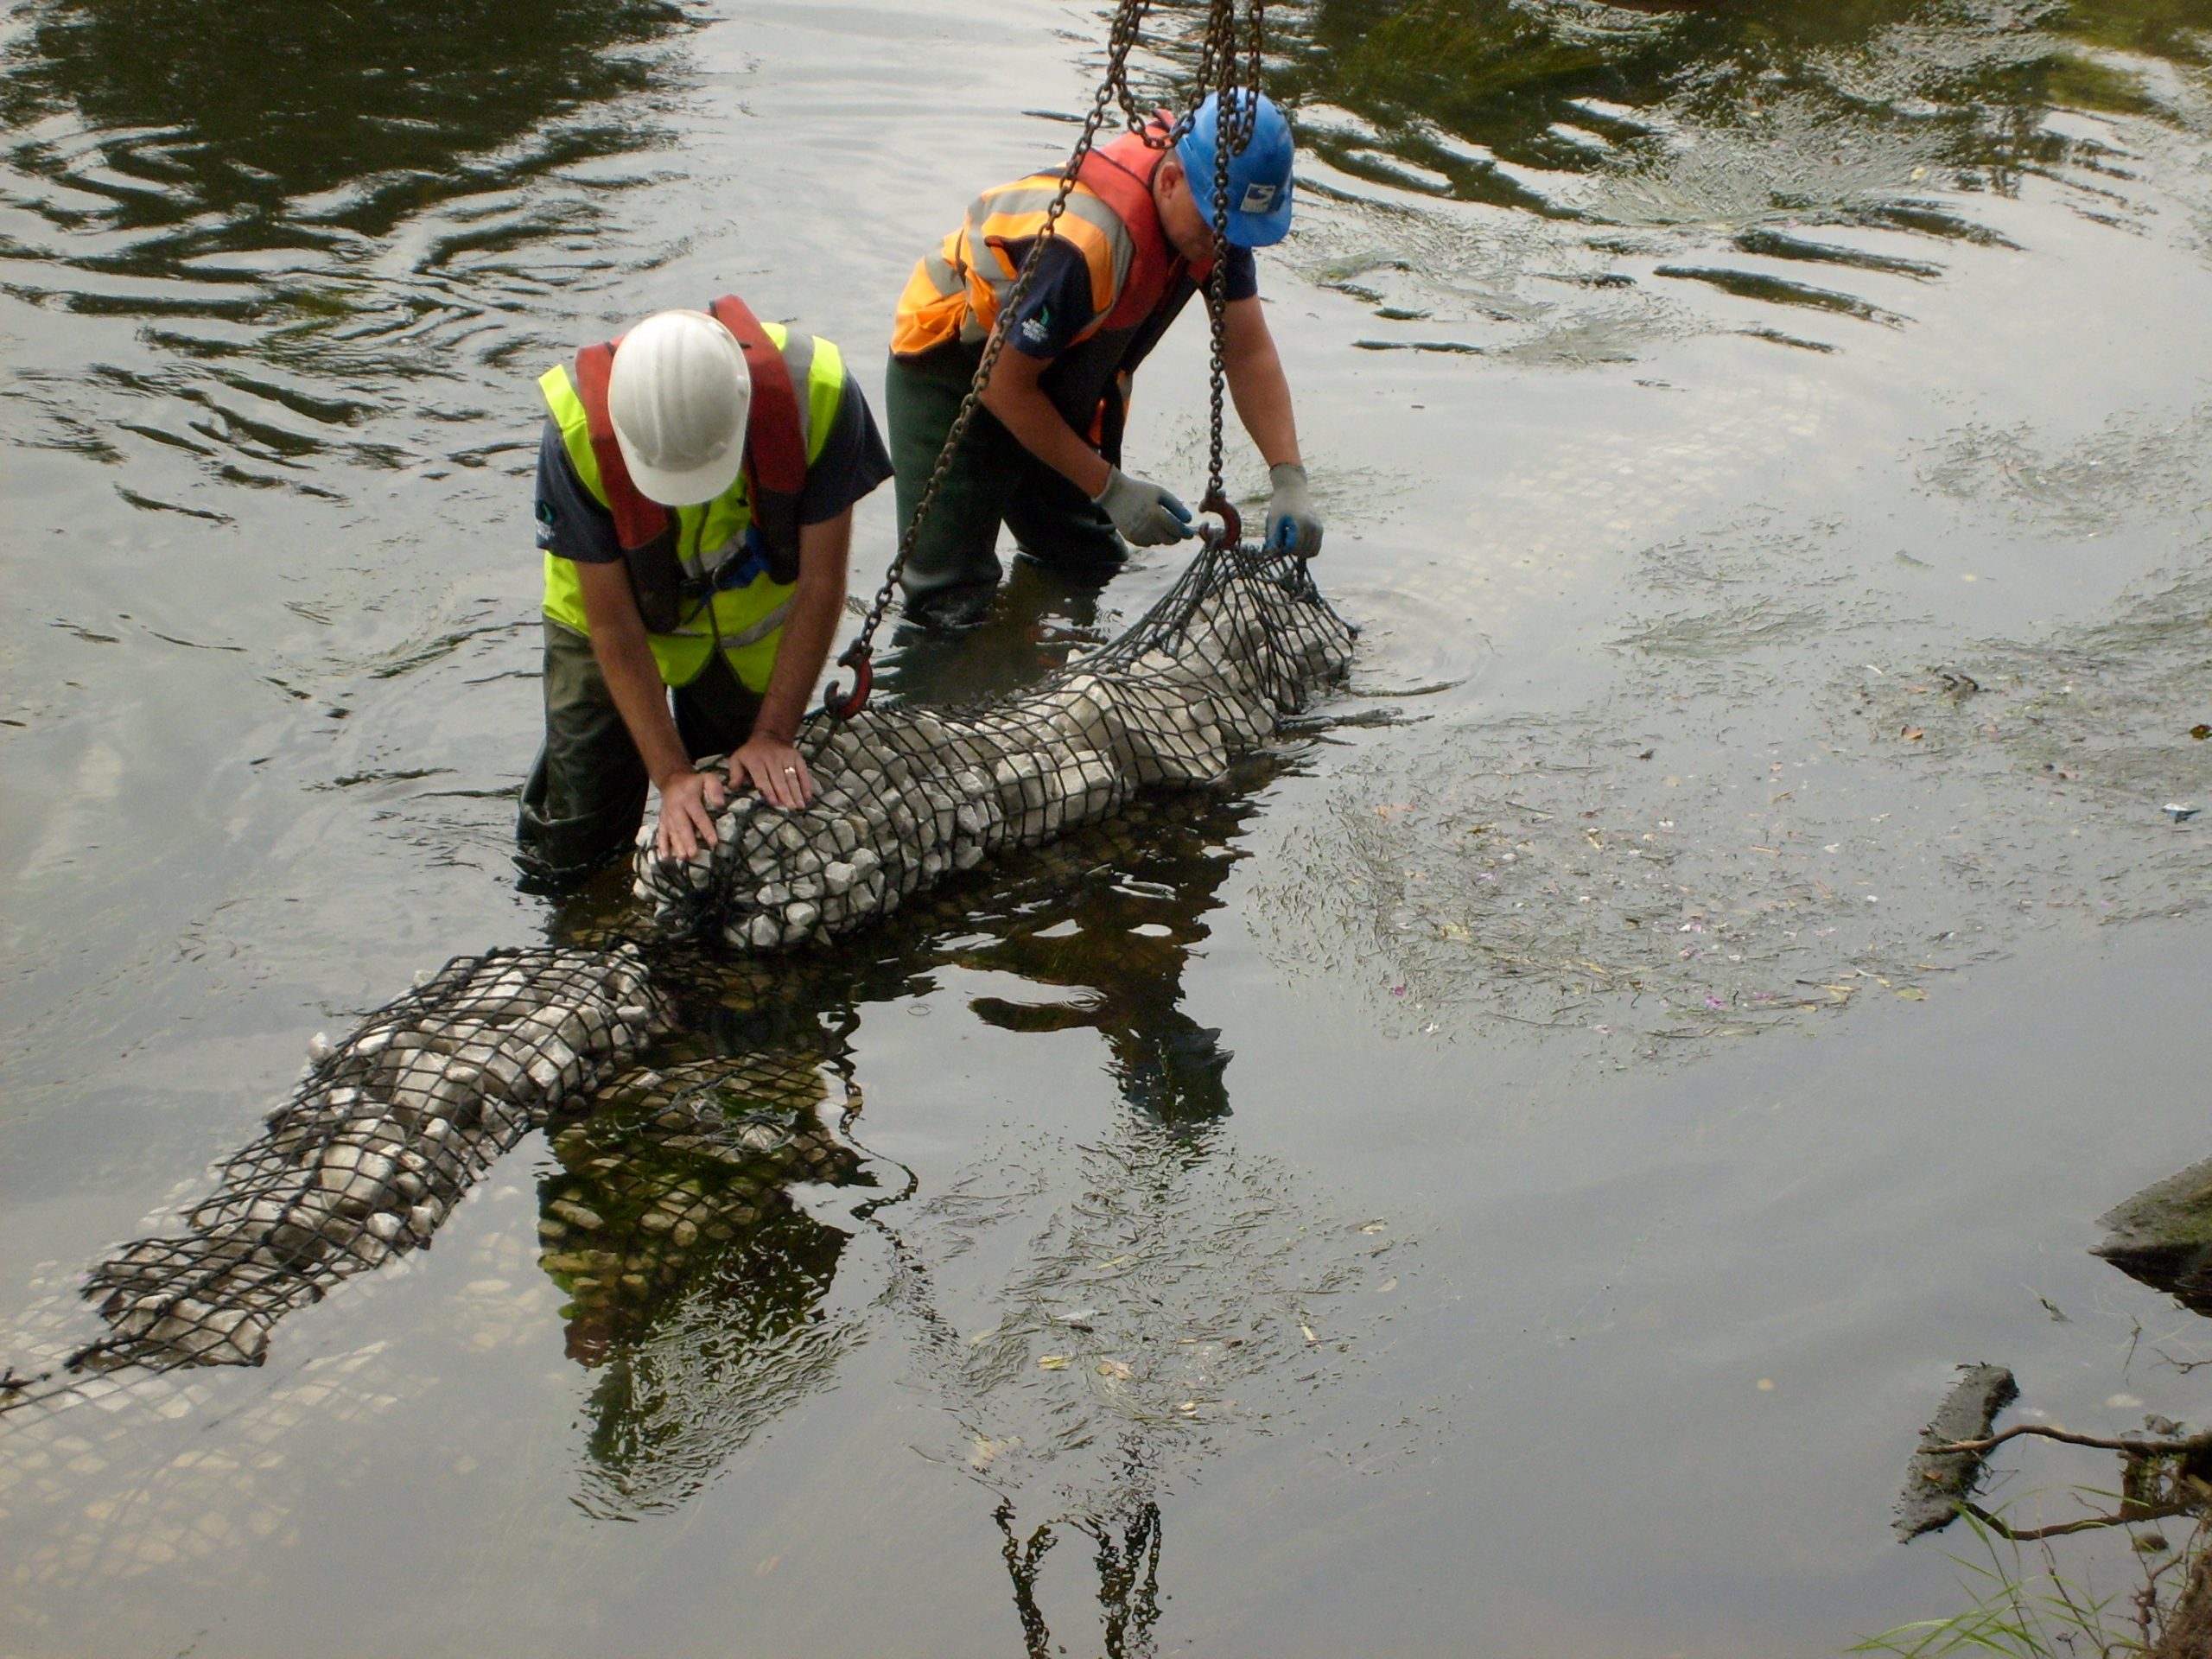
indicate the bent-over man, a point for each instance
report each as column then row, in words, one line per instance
column 1042, row 455
column 696, row 483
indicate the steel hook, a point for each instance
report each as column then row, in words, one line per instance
column 836, row 703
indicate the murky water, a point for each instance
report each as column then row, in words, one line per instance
column 1509, row 1176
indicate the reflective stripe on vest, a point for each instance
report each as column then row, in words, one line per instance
column 1110, row 219
column 748, row 612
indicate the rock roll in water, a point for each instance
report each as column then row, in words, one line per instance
column 392, row 1125
column 907, row 796
column 384, row 1136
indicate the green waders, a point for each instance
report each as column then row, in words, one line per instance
column 954, row 569
column 587, row 793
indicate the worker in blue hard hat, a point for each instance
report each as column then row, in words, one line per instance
column 1043, row 454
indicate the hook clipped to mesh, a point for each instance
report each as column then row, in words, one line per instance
column 842, row 705
column 1231, row 531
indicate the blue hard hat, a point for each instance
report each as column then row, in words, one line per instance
column 1259, row 174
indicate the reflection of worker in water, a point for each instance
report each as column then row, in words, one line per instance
column 694, row 1282
column 1042, row 457
column 696, row 484
column 1126, row 1545
column 1137, row 914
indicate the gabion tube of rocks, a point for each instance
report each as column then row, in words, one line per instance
column 377, row 1142
column 392, row 1125
column 905, row 797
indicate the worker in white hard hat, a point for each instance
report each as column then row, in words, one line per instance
column 696, row 484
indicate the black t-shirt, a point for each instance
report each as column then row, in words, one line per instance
column 572, row 523
column 1059, row 308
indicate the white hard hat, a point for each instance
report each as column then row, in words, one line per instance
column 678, row 394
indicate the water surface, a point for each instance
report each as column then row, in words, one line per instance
column 1510, row 1175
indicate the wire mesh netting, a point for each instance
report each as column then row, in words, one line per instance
column 905, row 797
column 391, row 1126
column 382, row 1137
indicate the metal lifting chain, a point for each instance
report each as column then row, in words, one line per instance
column 1236, row 114
column 1218, row 71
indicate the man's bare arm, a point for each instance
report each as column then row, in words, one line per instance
column 1262, row 392
column 767, row 758
column 618, row 640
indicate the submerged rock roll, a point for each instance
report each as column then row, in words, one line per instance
column 393, row 1124
column 907, row 796
column 673, row 1171
column 390, row 1127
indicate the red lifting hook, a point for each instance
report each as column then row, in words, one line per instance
column 1232, row 524
column 836, row 702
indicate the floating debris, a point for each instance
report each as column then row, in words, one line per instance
column 1936, row 1483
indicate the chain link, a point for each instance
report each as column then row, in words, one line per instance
column 1237, row 105
column 1218, row 71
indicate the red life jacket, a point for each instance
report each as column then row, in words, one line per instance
column 1120, row 174
column 775, row 461
column 1089, row 383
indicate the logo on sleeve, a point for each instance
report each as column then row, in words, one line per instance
column 1037, row 329
column 1258, row 198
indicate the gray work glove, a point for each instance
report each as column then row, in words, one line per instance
column 1147, row 515
column 1293, row 525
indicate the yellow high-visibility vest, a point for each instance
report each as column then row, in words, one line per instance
column 748, row 615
